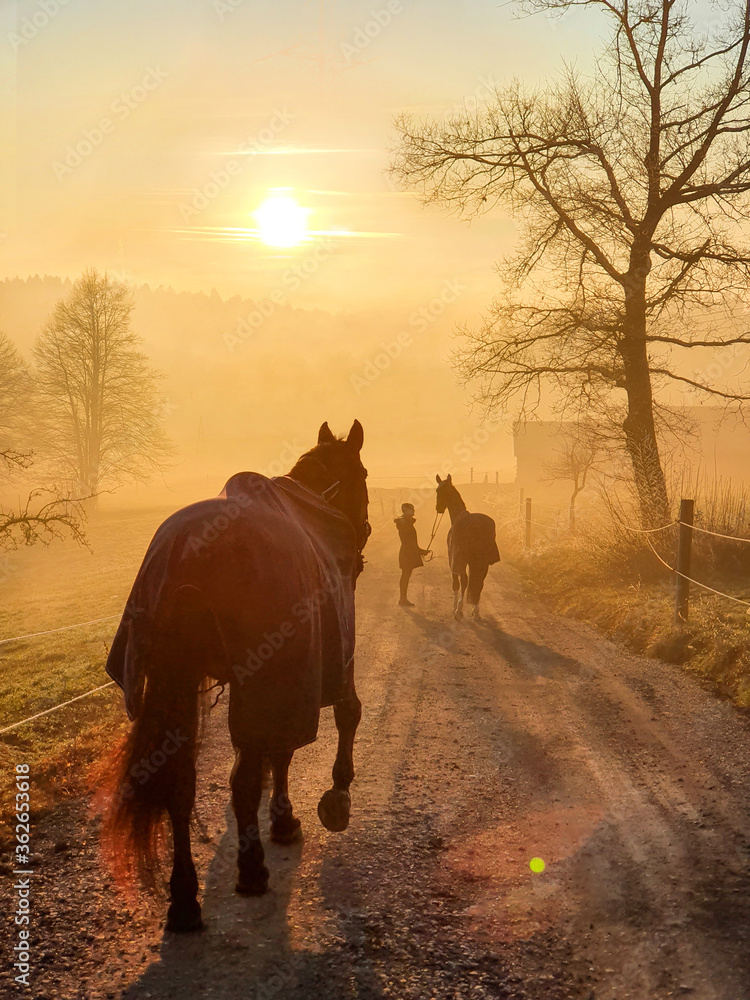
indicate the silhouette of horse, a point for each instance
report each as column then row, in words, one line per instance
column 254, row 588
column 471, row 543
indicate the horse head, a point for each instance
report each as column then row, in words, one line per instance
column 446, row 492
column 334, row 468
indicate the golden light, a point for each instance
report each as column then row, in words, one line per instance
column 281, row 221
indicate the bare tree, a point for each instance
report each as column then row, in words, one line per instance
column 15, row 388
column 99, row 395
column 46, row 514
column 630, row 185
column 43, row 517
column 578, row 455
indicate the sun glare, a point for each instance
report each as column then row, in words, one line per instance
column 281, row 221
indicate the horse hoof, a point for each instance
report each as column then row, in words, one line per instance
column 184, row 919
column 253, row 883
column 289, row 832
column 334, row 809
column 458, row 614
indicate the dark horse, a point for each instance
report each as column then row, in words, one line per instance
column 254, row 588
column 471, row 543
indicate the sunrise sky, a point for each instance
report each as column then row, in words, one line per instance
column 143, row 136
column 146, row 138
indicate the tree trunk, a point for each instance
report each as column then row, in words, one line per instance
column 91, row 506
column 577, row 487
column 639, row 426
column 572, row 511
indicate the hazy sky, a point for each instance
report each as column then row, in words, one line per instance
column 142, row 135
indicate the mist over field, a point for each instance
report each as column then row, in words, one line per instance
column 248, row 382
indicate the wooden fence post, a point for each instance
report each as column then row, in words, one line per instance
column 471, row 474
column 520, row 503
column 684, row 550
column 528, row 522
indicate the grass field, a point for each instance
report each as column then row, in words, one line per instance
column 622, row 590
column 45, row 588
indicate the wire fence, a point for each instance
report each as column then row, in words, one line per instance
column 62, row 628
column 526, row 521
column 64, row 704
column 704, row 586
column 523, row 517
column 55, row 708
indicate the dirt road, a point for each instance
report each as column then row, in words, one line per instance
column 483, row 745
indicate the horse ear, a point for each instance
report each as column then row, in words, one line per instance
column 325, row 435
column 438, row 480
column 356, row 436
column 448, row 479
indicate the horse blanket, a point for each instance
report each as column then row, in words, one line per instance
column 262, row 579
column 471, row 541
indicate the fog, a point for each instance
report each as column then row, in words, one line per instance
column 141, row 139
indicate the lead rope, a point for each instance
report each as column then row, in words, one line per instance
column 435, row 526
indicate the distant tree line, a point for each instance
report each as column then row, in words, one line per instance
column 83, row 418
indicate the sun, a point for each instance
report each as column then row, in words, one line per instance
column 281, row 221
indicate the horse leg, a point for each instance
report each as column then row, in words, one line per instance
column 184, row 912
column 477, row 575
column 176, row 692
column 285, row 827
column 335, row 805
column 459, row 612
column 456, row 588
column 247, row 789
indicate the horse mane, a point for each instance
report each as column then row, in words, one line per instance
column 455, row 492
column 314, row 453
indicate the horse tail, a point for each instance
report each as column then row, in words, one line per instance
column 154, row 764
column 477, row 574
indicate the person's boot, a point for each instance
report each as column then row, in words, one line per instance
column 405, row 602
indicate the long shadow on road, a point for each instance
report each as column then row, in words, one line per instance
column 532, row 658
column 246, row 951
